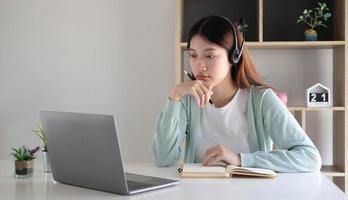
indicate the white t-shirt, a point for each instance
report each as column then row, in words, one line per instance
column 227, row 125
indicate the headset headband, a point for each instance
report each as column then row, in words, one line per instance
column 234, row 53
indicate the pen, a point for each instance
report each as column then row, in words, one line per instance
column 189, row 75
column 192, row 78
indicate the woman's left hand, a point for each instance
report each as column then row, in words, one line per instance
column 220, row 155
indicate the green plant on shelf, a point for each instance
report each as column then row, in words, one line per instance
column 314, row 18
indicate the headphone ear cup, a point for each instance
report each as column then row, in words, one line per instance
column 235, row 56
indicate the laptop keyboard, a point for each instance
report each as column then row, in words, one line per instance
column 133, row 185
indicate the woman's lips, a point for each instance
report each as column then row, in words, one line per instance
column 203, row 77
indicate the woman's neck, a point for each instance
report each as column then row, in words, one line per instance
column 224, row 92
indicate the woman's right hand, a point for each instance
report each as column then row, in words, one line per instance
column 197, row 88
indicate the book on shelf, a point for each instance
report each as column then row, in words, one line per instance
column 197, row 170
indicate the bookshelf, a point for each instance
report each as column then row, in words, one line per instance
column 269, row 29
column 288, row 45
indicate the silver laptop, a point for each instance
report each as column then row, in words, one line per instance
column 84, row 151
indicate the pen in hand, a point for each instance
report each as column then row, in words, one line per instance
column 189, row 75
column 192, row 78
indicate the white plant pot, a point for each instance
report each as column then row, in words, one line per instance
column 46, row 160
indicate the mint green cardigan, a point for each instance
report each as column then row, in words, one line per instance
column 269, row 122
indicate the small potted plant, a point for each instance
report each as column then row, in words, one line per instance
column 314, row 19
column 41, row 134
column 24, row 161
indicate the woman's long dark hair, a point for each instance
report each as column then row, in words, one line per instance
column 217, row 30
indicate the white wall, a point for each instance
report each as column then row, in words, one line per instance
column 95, row 56
column 116, row 57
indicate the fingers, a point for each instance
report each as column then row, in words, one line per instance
column 209, row 87
column 220, row 155
column 212, row 152
column 197, row 89
column 215, row 148
column 219, row 160
column 209, row 156
column 196, row 96
column 203, row 92
column 208, row 91
column 206, row 95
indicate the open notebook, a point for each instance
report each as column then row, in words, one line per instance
column 197, row 170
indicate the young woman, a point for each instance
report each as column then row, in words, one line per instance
column 227, row 114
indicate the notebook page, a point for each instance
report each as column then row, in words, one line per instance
column 250, row 169
column 198, row 167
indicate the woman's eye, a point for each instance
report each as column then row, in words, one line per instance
column 192, row 55
column 210, row 56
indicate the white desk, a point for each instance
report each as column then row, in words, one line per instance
column 286, row 186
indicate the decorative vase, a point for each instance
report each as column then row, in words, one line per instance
column 46, row 160
column 23, row 168
column 310, row 35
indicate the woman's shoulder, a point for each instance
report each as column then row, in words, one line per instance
column 265, row 98
column 260, row 92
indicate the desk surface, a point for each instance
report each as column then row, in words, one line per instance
column 286, row 186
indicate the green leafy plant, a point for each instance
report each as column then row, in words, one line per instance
column 314, row 18
column 24, row 153
column 41, row 134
